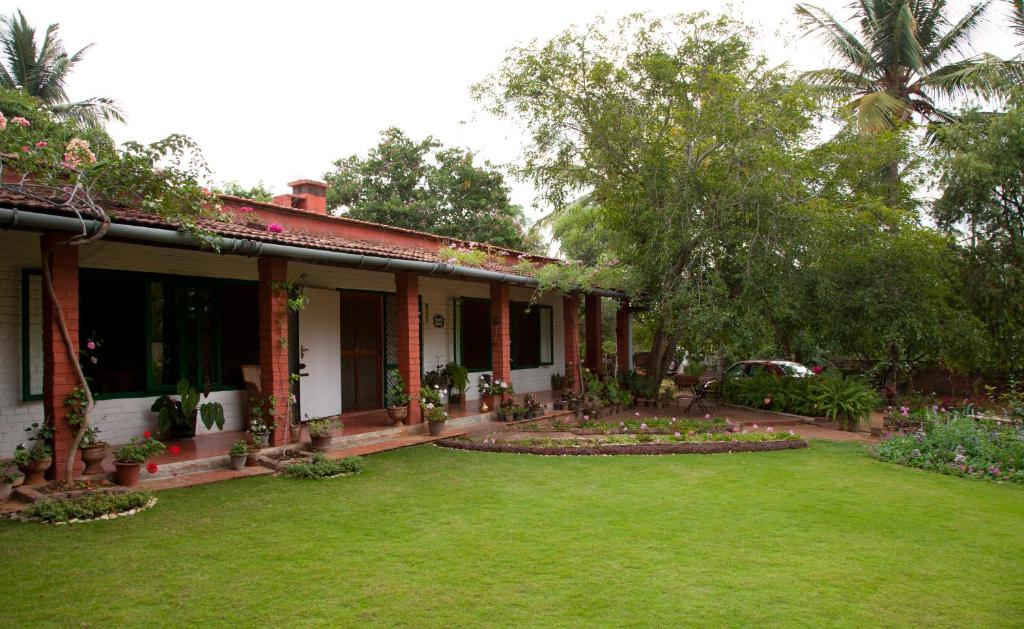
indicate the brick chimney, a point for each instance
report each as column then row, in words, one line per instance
column 307, row 194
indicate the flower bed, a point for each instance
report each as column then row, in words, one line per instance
column 319, row 466
column 953, row 443
column 708, row 443
column 86, row 508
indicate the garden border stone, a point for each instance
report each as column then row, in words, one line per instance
column 705, row 447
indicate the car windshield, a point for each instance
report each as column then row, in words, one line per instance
column 794, row 369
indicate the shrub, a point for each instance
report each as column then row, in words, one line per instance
column 843, row 399
column 319, row 466
column 239, row 448
column 952, row 443
column 136, row 451
column 86, row 507
column 322, row 426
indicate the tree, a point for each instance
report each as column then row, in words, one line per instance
column 41, row 70
column 981, row 166
column 259, row 192
column 688, row 148
column 424, row 186
column 906, row 58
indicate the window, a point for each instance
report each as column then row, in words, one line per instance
column 531, row 333
column 150, row 331
column 473, row 333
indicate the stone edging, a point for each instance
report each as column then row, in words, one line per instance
column 705, row 447
column 106, row 516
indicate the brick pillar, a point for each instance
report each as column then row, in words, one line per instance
column 59, row 377
column 593, row 330
column 407, row 291
column 501, row 338
column 571, row 333
column 622, row 340
column 273, row 325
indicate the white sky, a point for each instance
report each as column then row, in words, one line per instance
column 276, row 91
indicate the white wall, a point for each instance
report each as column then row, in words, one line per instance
column 121, row 419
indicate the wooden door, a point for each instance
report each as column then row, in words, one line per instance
column 362, row 346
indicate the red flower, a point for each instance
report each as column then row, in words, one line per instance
column 174, row 450
column 147, row 434
column 151, row 468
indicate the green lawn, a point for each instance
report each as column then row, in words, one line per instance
column 433, row 537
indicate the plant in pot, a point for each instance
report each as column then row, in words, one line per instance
column 260, row 431
column 238, row 453
column 7, row 477
column 843, row 399
column 433, row 410
column 177, row 417
column 93, row 451
column 321, row 432
column 33, row 462
column 506, row 409
column 458, row 378
column 396, row 398
column 519, row 412
column 533, row 407
column 128, row 459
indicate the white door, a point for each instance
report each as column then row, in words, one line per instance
column 319, row 348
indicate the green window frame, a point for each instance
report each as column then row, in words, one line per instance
column 179, row 282
column 28, row 276
column 543, row 314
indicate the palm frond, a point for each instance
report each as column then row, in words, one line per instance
column 91, row 112
column 879, row 111
column 836, row 36
column 895, row 42
column 839, row 82
column 957, row 39
column 1017, row 19
column 984, row 75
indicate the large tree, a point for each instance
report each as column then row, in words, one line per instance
column 41, row 70
column 688, row 148
column 424, row 186
column 904, row 57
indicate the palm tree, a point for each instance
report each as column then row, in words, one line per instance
column 905, row 58
column 41, row 70
column 1017, row 19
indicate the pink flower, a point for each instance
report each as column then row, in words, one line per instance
column 817, row 369
column 707, row 416
column 677, row 435
column 21, row 121
column 769, row 429
column 24, row 149
column 207, row 192
column 246, row 208
column 3, row 122
column 275, row 227
column 586, row 417
column 754, row 426
column 91, row 345
column 637, row 413
column 42, row 144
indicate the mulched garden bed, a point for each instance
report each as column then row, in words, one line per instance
column 707, row 447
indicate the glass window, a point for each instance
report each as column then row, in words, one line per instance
column 530, row 328
column 475, row 334
column 111, row 332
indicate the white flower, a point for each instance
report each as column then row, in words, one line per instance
column 430, row 405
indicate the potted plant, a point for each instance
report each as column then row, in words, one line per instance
column 33, row 462
column 177, row 418
column 260, row 431
column 397, row 400
column 294, row 430
column 239, row 452
column 557, row 381
column 130, row 457
column 458, row 378
column 519, row 412
column 321, row 432
column 252, row 454
column 93, row 452
column 7, row 478
column 433, row 410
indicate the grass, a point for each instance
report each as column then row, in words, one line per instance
column 429, row 537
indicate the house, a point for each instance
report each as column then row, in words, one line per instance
column 148, row 305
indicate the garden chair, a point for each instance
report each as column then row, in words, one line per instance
column 705, row 390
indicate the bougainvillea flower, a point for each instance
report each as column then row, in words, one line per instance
column 147, row 434
column 175, row 450
column 151, row 468
column 276, row 228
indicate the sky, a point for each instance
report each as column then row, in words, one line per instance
column 276, row 91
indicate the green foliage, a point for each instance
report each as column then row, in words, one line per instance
column 239, row 448
column 319, row 466
column 87, row 507
column 259, row 192
column 955, row 444
column 458, row 375
column 423, row 186
column 465, row 257
column 396, row 394
column 322, row 426
column 139, row 450
column 182, row 412
column 843, row 399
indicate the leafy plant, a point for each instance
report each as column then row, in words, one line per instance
column 239, row 448
column 323, row 426
column 557, row 381
column 319, row 466
column 843, row 398
column 182, row 412
column 396, row 394
column 139, row 451
column 87, row 507
column 458, row 376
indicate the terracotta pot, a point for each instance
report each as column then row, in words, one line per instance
column 93, row 457
column 398, row 414
column 127, row 474
column 876, row 423
column 295, row 433
column 238, row 461
column 436, row 428
column 252, row 459
column 487, row 400
column 5, row 490
column 35, row 471
column 321, row 444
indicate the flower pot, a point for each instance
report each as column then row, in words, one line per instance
column 558, row 405
column 92, row 457
column 398, row 414
column 294, row 433
column 238, row 461
column 263, row 439
column 518, row 416
column 35, row 471
column 321, row 444
column 252, row 458
column 454, row 397
column 6, row 488
column 127, row 474
column 436, row 428
column 487, row 400
column 876, row 423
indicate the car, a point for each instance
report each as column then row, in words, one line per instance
column 751, row 368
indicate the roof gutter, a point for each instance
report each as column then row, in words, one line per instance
column 11, row 218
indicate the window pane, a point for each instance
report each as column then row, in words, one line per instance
column 164, row 337
column 526, row 335
column 33, row 334
column 199, row 340
column 476, row 334
column 239, row 331
column 110, row 318
column 546, row 351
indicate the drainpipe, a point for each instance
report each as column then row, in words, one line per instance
column 12, row 218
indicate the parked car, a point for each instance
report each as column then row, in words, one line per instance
column 751, row 368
